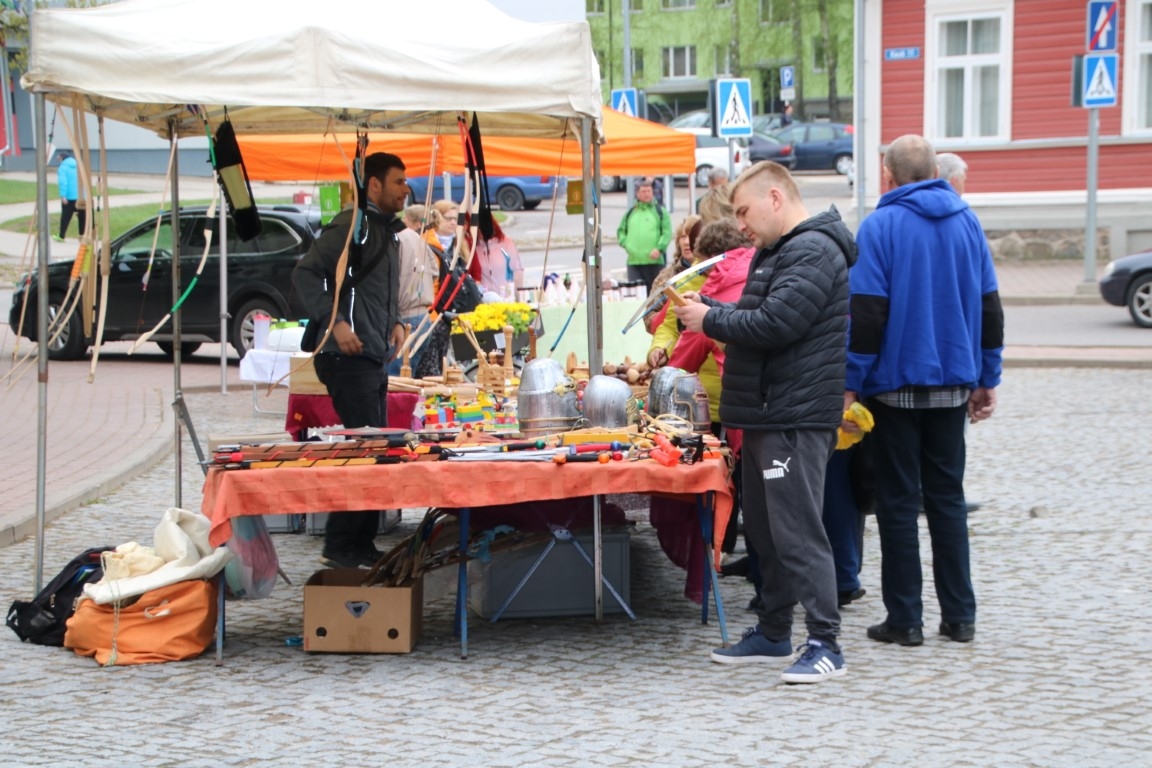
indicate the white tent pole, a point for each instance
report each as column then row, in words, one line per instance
column 591, row 181
column 177, row 394
column 42, row 253
column 222, row 245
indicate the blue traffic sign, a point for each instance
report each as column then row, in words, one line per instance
column 788, row 77
column 1100, row 70
column 734, row 97
column 624, row 100
column 1103, row 25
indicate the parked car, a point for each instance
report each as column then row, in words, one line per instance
column 510, row 193
column 763, row 146
column 712, row 152
column 819, row 146
column 702, row 118
column 1127, row 282
column 259, row 282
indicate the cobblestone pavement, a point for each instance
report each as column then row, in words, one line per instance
column 1057, row 675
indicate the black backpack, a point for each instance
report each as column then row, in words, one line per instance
column 42, row 621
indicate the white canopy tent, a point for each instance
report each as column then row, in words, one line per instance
column 300, row 67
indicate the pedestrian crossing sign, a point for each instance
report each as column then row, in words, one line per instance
column 1100, row 80
column 733, row 97
column 624, row 101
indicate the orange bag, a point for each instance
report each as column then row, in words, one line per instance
column 167, row 624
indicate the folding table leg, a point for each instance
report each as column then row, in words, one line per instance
column 607, row 584
column 461, row 623
column 704, row 509
column 523, row 580
column 221, row 586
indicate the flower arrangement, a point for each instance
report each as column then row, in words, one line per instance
column 493, row 317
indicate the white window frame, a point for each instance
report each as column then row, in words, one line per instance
column 667, row 57
column 1133, row 85
column 766, row 18
column 723, row 4
column 677, row 5
column 723, row 63
column 592, row 11
column 940, row 12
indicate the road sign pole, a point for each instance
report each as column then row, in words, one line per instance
column 1090, row 225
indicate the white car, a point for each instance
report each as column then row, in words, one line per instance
column 712, row 152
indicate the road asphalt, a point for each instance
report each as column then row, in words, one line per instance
column 1054, row 677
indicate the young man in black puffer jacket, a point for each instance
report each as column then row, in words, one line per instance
column 783, row 385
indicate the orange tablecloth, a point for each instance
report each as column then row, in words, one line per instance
column 451, row 484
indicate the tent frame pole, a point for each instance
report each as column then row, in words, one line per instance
column 43, row 252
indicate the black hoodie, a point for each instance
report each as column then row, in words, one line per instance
column 787, row 335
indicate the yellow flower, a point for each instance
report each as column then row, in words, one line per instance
column 493, row 317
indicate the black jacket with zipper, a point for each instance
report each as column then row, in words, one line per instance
column 786, row 337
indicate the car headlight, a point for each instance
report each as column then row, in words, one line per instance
column 1108, row 270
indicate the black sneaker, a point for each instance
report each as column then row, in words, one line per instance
column 899, row 635
column 959, row 632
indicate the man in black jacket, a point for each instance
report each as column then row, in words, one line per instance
column 783, row 385
column 352, row 363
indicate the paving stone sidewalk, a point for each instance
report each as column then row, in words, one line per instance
column 1054, row 677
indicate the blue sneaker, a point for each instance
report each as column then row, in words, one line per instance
column 816, row 664
column 753, row 648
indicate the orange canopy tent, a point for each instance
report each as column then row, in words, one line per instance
column 632, row 147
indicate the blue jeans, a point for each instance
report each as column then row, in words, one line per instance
column 414, row 321
column 920, row 453
column 842, row 521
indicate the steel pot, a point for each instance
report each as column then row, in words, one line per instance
column 546, row 402
column 606, row 402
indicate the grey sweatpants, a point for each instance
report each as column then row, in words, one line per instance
column 782, row 507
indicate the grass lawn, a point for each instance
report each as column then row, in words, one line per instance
column 12, row 191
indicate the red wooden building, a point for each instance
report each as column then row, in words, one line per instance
column 992, row 80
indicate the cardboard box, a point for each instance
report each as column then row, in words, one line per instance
column 340, row 616
column 302, row 377
column 561, row 586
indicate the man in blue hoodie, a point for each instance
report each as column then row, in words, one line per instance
column 925, row 351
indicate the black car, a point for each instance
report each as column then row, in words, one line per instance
column 259, row 281
column 1128, row 282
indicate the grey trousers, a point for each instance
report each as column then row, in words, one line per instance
column 782, row 506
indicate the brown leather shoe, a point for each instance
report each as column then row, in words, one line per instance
column 959, row 632
column 899, row 635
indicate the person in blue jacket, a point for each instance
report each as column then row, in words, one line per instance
column 925, row 347
column 67, row 182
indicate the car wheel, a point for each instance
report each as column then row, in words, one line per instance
column 187, row 348
column 1140, row 301
column 843, row 164
column 242, row 325
column 69, row 343
column 702, row 175
column 609, row 183
column 509, row 198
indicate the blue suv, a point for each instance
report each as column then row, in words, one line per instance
column 510, row 193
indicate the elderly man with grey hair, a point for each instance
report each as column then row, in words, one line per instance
column 953, row 170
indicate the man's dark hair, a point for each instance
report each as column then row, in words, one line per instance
column 377, row 165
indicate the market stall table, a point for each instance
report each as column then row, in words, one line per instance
column 462, row 485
